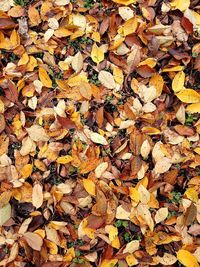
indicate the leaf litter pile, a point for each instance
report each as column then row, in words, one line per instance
column 99, row 133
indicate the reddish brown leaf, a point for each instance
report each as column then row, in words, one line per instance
column 66, row 123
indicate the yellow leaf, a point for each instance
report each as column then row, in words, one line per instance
column 129, row 27
column 131, row 260
column 134, row 194
column 96, row 37
column 192, row 194
column 109, row 263
column 118, row 75
column 89, row 186
column 151, row 62
column 15, row 38
column 178, row 82
column 64, row 159
column 53, row 249
column 116, row 243
column 180, row 4
column 77, row 80
column 177, row 68
column 124, row 2
column 187, row 259
column 23, row 60
column 150, row 130
column 112, row 231
column 31, row 64
column 70, row 254
column 188, row 96
column 193, row 108
column 44, row 78
column 97, row 54
column 26, row 171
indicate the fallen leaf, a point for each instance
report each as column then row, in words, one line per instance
column 188, row 96
column 186, row 258
column 101, row 169
column 44, row 78
column 178, row 82
column 106, row 79
column 5, row 213
column 98, row 139
column 33, row 240
column 161, row 215
column 37, row 196
column 37, row 133
column 97, row 54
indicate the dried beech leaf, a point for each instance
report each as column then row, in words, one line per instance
column 33, row 240
column 37, row 196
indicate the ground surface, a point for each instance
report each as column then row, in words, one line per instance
column 99, row 133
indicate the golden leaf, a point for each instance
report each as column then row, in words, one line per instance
column 89, row 186
column 97, row 54
column 26, row 171
column 44, row 78
column 188, row 96
column 64, row 159
column 187, row 259
column 178, row 82
column 125, row 2
column 193, row 108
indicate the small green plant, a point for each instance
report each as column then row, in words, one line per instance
column 171, row 214
column 21, row 2
column 90, row 3
column 16, row 145
column 127, row 237
column 190, row 119
column 77, row 44
column 94, row 79
column 176, row 197
column 121, row 223
column 73, row 1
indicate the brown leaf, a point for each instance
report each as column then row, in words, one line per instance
column 2, row 123
column 190, row 215
column 136, row 165
column 187, row 25
column 171, row 176
column 11, row 92
column 6, row 23
column 100, row 208
column 66, row 123
column 100, row 117
column 104, row 25
column 184, row 130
